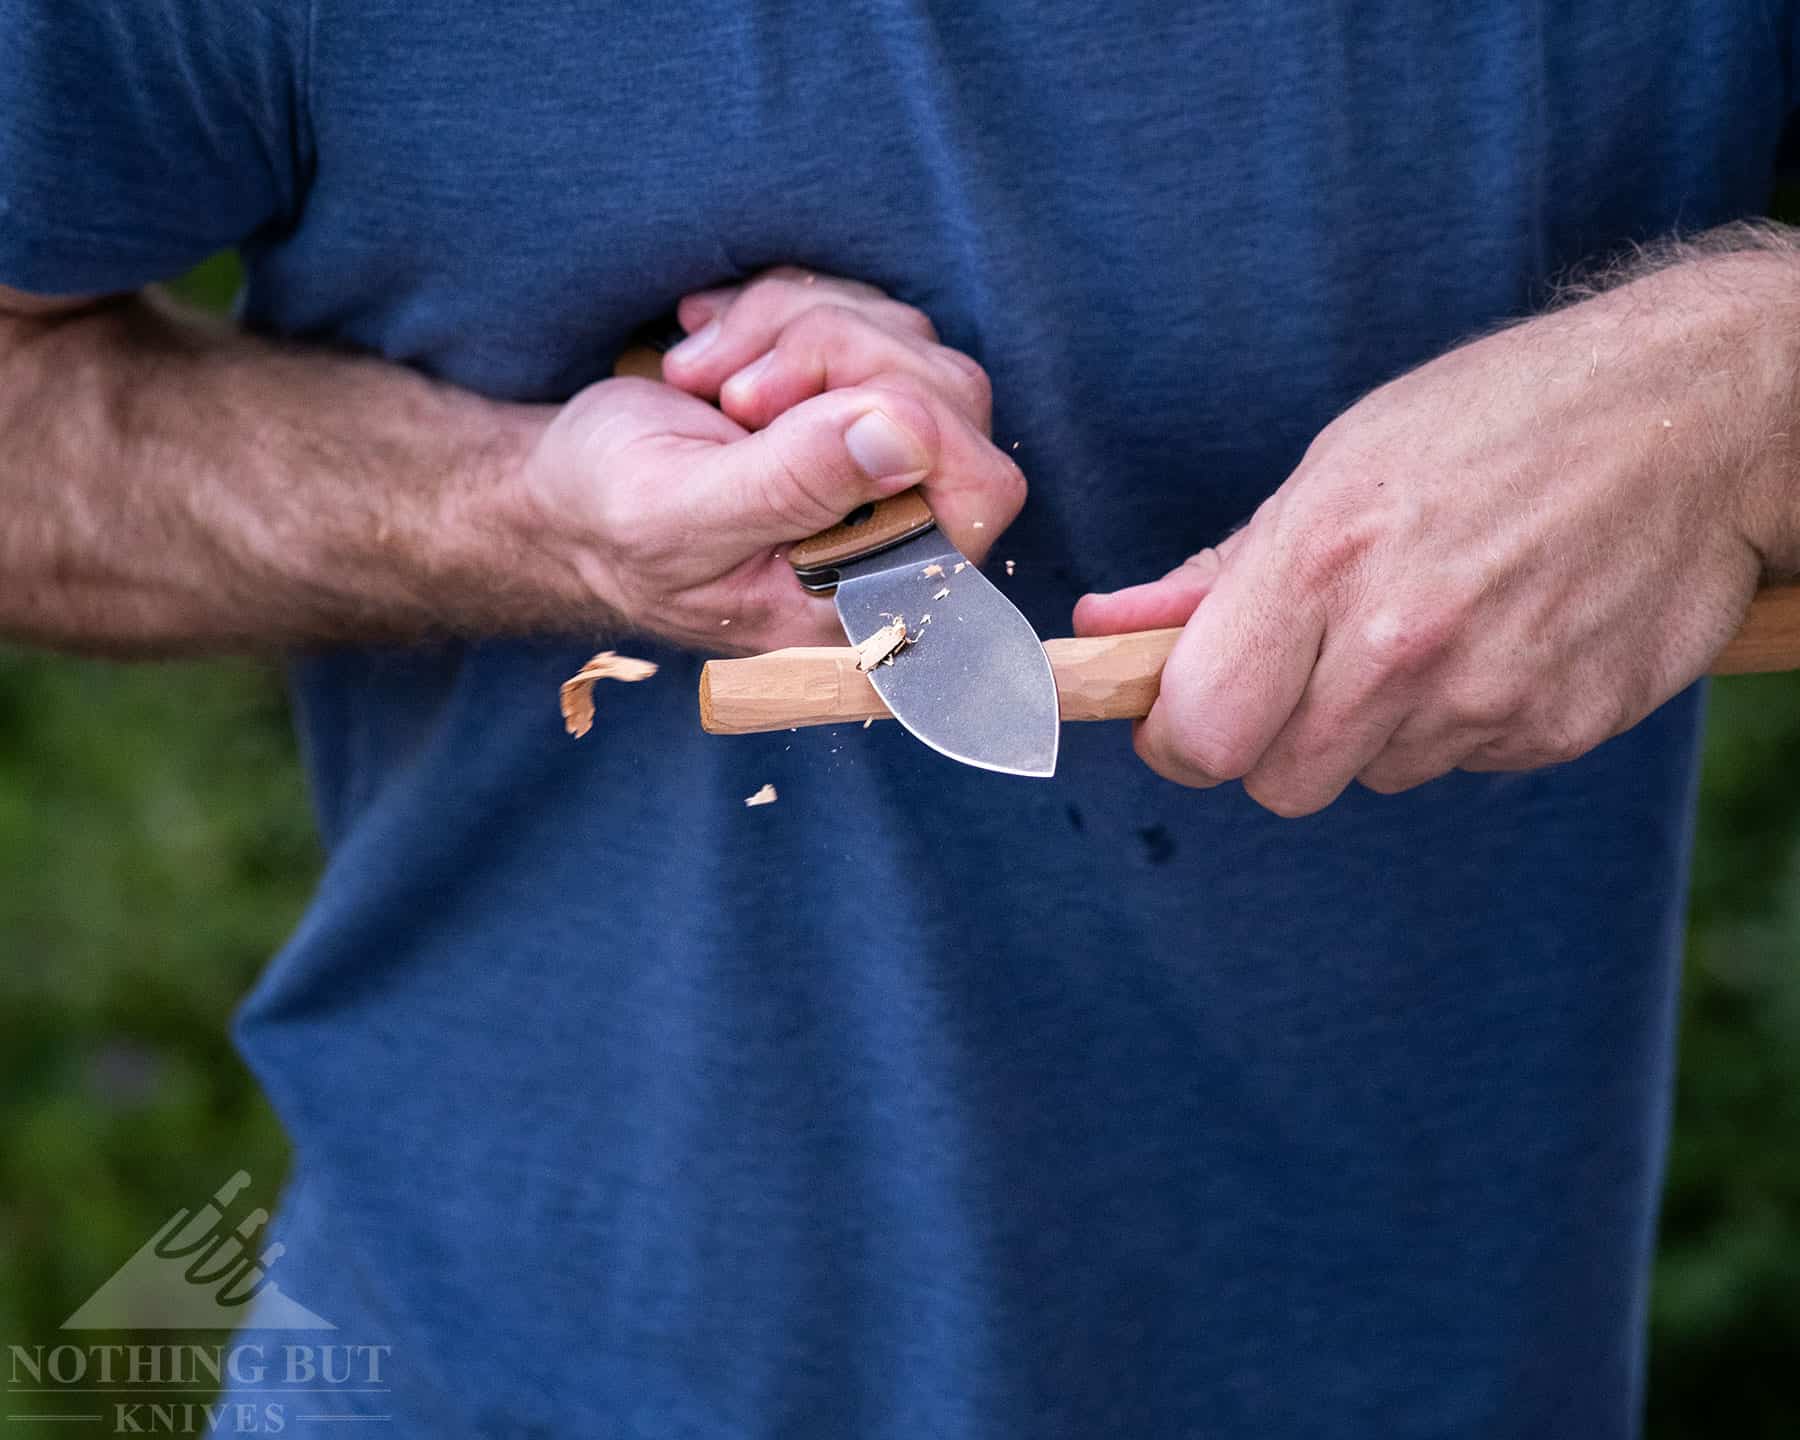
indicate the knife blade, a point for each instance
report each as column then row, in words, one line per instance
column 972, row 681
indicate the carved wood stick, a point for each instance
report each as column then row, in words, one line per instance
column 1111, row 677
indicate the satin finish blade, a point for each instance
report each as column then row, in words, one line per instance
column 975, row 683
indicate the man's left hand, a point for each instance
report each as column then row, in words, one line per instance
column 1499, row 560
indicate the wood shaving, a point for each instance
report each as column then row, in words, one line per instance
column 867, row 723
column 725, row 622
column 980, row 524
column 942, row 593
column 1009, row 567
column 578, row 689
column 931, row 570
column 764, row 796
column 882, row 644
column 961, row 565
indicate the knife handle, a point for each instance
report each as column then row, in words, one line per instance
column 1103, row 677
column 864, row 531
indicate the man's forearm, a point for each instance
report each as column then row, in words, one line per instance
column 169, row 485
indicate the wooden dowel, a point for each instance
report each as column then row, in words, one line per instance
column 1769, row 638
column 1110, row 677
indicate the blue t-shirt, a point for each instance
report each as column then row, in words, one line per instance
column 927, row 1101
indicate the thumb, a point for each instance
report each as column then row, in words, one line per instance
column 1156, row 603
column 815, row 463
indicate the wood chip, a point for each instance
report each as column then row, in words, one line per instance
column 578, row 689
column 1009, row 567
column 931, row 570
column 942, row 593
column 961, row 565
column 725, row 622
column 980, row 524
column 881, row 645
column 764, row 796
column 868, row 722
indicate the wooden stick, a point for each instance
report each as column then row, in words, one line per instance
column 1111, row 677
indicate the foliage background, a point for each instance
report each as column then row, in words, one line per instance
column 156, row 848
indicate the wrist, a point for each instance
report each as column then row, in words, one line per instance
column 500, row 539
column 1756, row 295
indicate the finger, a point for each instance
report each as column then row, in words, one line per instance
column 694, row 311
column 1532, row 749
column 1237, row 671
column 830, row 346
column 814, row 465
column 1155, row 604
column 1407, row 764
column 761, row 310
column 628, row 409
column 1347, row 716
column 976, row 490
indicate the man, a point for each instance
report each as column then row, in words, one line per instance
column 928, row 1101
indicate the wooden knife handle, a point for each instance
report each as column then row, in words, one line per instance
column 863, row 531
column 1109, row 677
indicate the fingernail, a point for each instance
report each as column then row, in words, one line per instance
column 745, row 379
column 884, row 449
column 696, row 344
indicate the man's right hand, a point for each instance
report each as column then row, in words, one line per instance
column 172, row 485
column 676, row 515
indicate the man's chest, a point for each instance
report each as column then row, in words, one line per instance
column 1186, row 223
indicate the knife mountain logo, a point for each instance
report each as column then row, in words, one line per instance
column 197, row 1273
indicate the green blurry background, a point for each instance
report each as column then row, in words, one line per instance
column 157, row 847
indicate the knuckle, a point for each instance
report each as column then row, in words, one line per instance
column 1281, row 795
column 970, row 380
column 1392, row 776
column 821, row 326
column 900, row 315
column 902, row 388
column 764, row 302
column 1561, row 744
column 1403, row 641
column 1006, row 487
column 793, row 489
column 1153, row 749
column 1201, row 743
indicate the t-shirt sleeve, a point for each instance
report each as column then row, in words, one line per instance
column 137, row 137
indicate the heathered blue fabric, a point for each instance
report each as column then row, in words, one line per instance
column 925, row 1101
